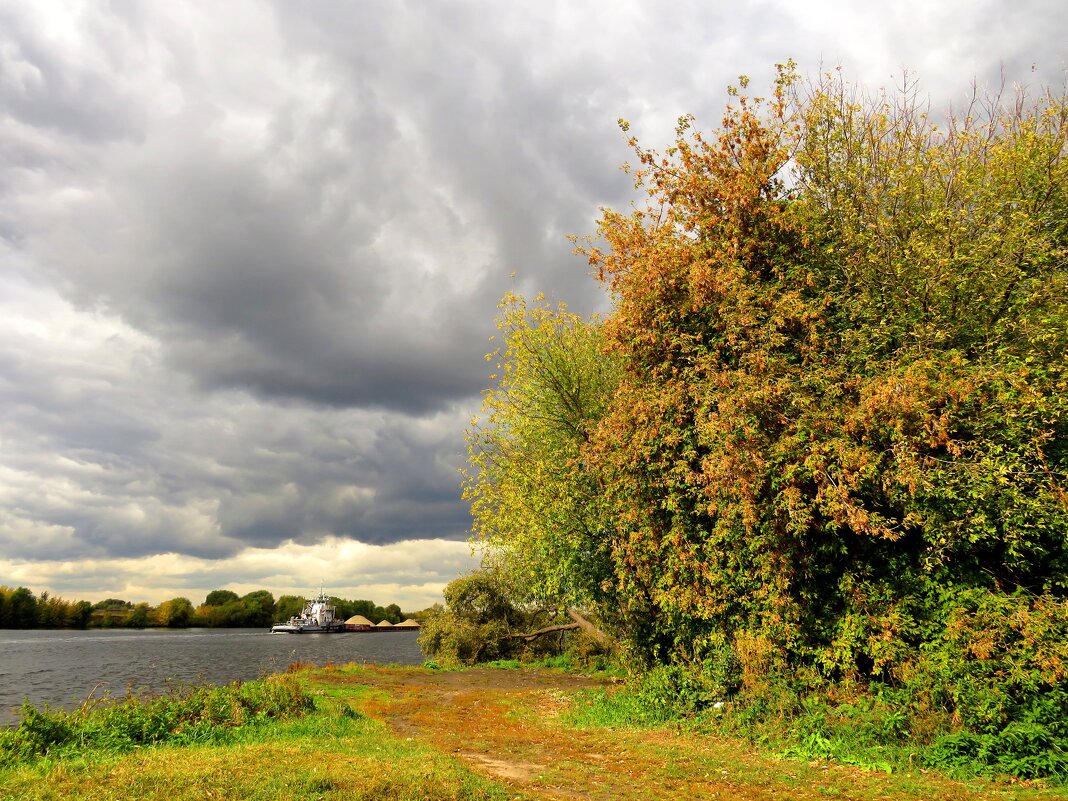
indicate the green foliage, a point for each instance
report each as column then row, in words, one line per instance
column 220, row 597
column 175, row 613
column 829, row 433
column 199, row 714
column 141, row 616
column 331, row 752
column 665, row 694
column 991, row 711
column 21, row 609
column 565, row 661
column 502, row 664
column 225, row 608
column 1001, row 668
column 112, row 604
column 843, row 332
column 477, row 622
column 259, row 608
column 473, row 626
column 288, row 606
column 393, row 613
column 18, row 608
column 722, row 670
column 537, row 507
column 80, row 615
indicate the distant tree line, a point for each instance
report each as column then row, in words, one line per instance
column 20, row 608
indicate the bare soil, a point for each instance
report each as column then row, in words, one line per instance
column 507, row 724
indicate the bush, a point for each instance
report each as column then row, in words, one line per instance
column 990, row 697
column 477, row 623
column 665, row 694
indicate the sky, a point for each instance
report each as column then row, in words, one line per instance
column 251, row 252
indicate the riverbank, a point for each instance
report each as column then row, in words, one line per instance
column 401, row 733
column 63, row 668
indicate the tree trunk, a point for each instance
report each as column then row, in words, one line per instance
column 594, row 633
column 582, row 623
column 547, row 630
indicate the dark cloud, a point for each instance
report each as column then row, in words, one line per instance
column 249, row 259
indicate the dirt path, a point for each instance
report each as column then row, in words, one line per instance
column 506, row 724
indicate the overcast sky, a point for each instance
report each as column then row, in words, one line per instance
column 250, row 252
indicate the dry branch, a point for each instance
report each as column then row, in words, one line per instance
column 533, row 635
column 582, row 623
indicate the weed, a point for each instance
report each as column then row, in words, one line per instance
column 194, row 715
column 502, row 664
column 327, row 755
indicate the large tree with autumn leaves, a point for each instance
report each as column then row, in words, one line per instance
column 840, row 429
column 845, row 330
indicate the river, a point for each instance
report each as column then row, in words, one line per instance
column 62, row 668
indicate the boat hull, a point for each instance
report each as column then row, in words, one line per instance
column 290, row 628
column 317, row 618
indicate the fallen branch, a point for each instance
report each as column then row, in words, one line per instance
column 595, row 633
column 540, row 632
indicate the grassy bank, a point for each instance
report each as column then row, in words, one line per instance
column 413, row 733
column 872, row 726
column 210, row 743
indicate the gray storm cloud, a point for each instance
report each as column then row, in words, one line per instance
column 250, row 256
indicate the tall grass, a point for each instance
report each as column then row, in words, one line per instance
column 873, row 726
column 260, row 741
column 190, row 715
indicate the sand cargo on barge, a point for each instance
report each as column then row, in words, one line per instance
column 320, row 617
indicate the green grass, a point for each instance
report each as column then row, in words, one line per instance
column 501, row 664
column 329, row 752
column 324, row 746
column 792, row 752
column 192, row 715
column 871, row 732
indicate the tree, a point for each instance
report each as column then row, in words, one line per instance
column 52, row 612
column 287, row 607
column 844, row 393
column 536, row 507
column 258, row 608
column 362, row 607
column 175, row 613
column 220, row 597
column 477, row 622
column 22, row 609
column 81, row 613
column 139, row 617
column 342, row 608
column 113, row 604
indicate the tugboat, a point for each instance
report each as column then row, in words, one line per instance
column 317, row 618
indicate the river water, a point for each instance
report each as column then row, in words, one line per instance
column 61, row 668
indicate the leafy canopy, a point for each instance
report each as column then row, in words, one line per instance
column 843, row 330
column 536, row 503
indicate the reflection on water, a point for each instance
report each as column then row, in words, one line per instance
column 62, row 668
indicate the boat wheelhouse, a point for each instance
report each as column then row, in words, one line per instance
column 318, row 617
